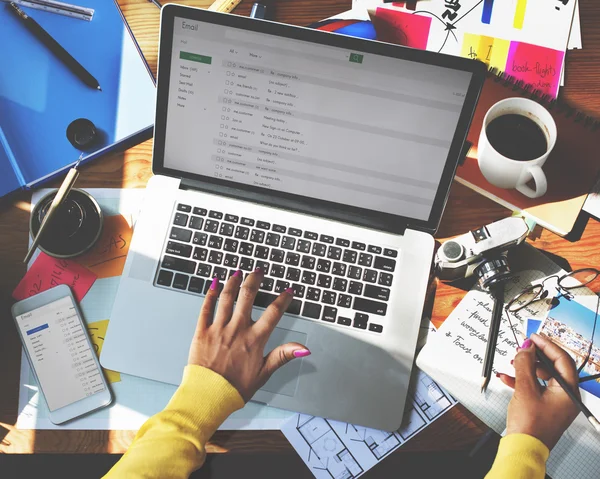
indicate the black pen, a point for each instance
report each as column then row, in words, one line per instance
column 156, row 2
column 52, row 45
column 497, row 291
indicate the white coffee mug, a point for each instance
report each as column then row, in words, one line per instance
column 507, row 173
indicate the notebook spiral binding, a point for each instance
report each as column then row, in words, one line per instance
column 546, row 100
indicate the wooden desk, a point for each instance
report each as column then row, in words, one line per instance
column 456, row 431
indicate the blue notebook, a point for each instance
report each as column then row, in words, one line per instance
column 40, row 97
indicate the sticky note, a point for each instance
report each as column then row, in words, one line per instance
column 402, row 28
column 490, row 50
column 107, row 256
column 520, row 9
column 47, row 272
column 97, row 332
column 535, row 65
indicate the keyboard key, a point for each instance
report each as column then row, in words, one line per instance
column 231, row 261
column 164, row 277
column 204, row 270
column 295, row 232
column 200, row 211
column 272, row 239
column 355, row 288
column 311, row 310
column 326, row 239
column 324, row 281
column 179, row 264
column 181, row 281
column 232, row 218
column 246, row 264
column 308, row 277
column 313, row 294
column 288, row 242
column 261, row 252
column 319, row 249
column 344, row 321
column 264, row 299
column 226, row 229
column 233, row 271
column 179, row 249
column 308, row 262
column 386, row 264
column 263, row 266
column 350, row 256
column 267, row 284
column 180, row 234
column 385, row 279
column 360, row 321
column 344, row 301
column 215, row 242
column 293, row 274
column 281, row 286
column 374, row 249
column 365, row 259
column 211, row 226
column 247, row 221
column 310, row 235
column 277, row 270
column 257, row 236
column 184, row 208
column 298, row 290
column 359, row 246
column 323, row 266
column 196, row 285
column 246, row 248
column 215, row 214
column 277, row 255
column 339, row 269
column 220, row 273
column 340, row 284
column 292, row 259
column 370, row 275
column 200, row 238
column 196, row 222
column 215, row 257
column 329, row 314
column 242, row 233
column 390, row 252
column 377, row 292
column 354, row 272
column 263, row 225
column 342, row 242
column 279, row 229
column 376, row 328
column 370, row 306
column 328, row 297
column 294, row 307
column 206, row 286
column 200, row 254
column 231, row 245
column 334, row 253
column 180, row 219
column 303, row 246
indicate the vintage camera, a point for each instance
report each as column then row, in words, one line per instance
column 481, row 252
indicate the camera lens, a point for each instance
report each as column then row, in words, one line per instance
column 493, row 270
column 453, row 251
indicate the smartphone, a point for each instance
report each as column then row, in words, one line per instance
column 61, row 354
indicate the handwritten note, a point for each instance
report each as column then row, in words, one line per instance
column 47, row 272
column 107, row 258
column 97, row 332
column 537, row 66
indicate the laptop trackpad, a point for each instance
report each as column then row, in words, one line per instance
column 285, row 379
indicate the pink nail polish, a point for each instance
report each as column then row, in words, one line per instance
column 215, row 283
column 526, row 344
column 301, row 353
column 237, row 274
column 512, row 361
column 290, row 291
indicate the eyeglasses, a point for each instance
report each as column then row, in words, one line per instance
column 566, row 283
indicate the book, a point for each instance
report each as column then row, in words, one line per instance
column 454, row 355
column 40, row 97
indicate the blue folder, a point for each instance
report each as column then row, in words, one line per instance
column 40, row 96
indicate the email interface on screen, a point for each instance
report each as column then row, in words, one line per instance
column 60, row 353
column 324, row 122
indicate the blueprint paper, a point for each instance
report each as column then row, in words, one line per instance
column 339, row 450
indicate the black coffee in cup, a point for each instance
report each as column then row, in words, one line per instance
column 517, row 137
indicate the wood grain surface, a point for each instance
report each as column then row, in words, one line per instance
column 456, row 431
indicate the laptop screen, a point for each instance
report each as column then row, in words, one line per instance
column 328, row 123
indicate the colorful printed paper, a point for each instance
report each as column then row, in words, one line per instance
column 402, row 28
column 97, row 332
column 47, row 272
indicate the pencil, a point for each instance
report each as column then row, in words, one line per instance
column 497, row 291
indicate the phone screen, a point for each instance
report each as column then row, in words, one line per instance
column 60, row 353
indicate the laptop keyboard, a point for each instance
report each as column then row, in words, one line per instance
column 335, row 280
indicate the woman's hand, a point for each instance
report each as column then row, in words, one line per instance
column 231, row 344
column 541, row 412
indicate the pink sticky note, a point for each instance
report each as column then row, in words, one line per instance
column 402, row 28
column 47, row 272
column 538, row 66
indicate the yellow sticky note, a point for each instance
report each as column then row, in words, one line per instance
column 97, row 331
column 490, row 50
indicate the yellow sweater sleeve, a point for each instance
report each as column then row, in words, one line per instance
column 519, row 456
column 171, row 443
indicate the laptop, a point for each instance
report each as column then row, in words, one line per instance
column 322, row 159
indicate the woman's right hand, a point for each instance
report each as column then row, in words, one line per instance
column 542, row 412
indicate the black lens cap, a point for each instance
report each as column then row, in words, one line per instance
column 82, row 133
